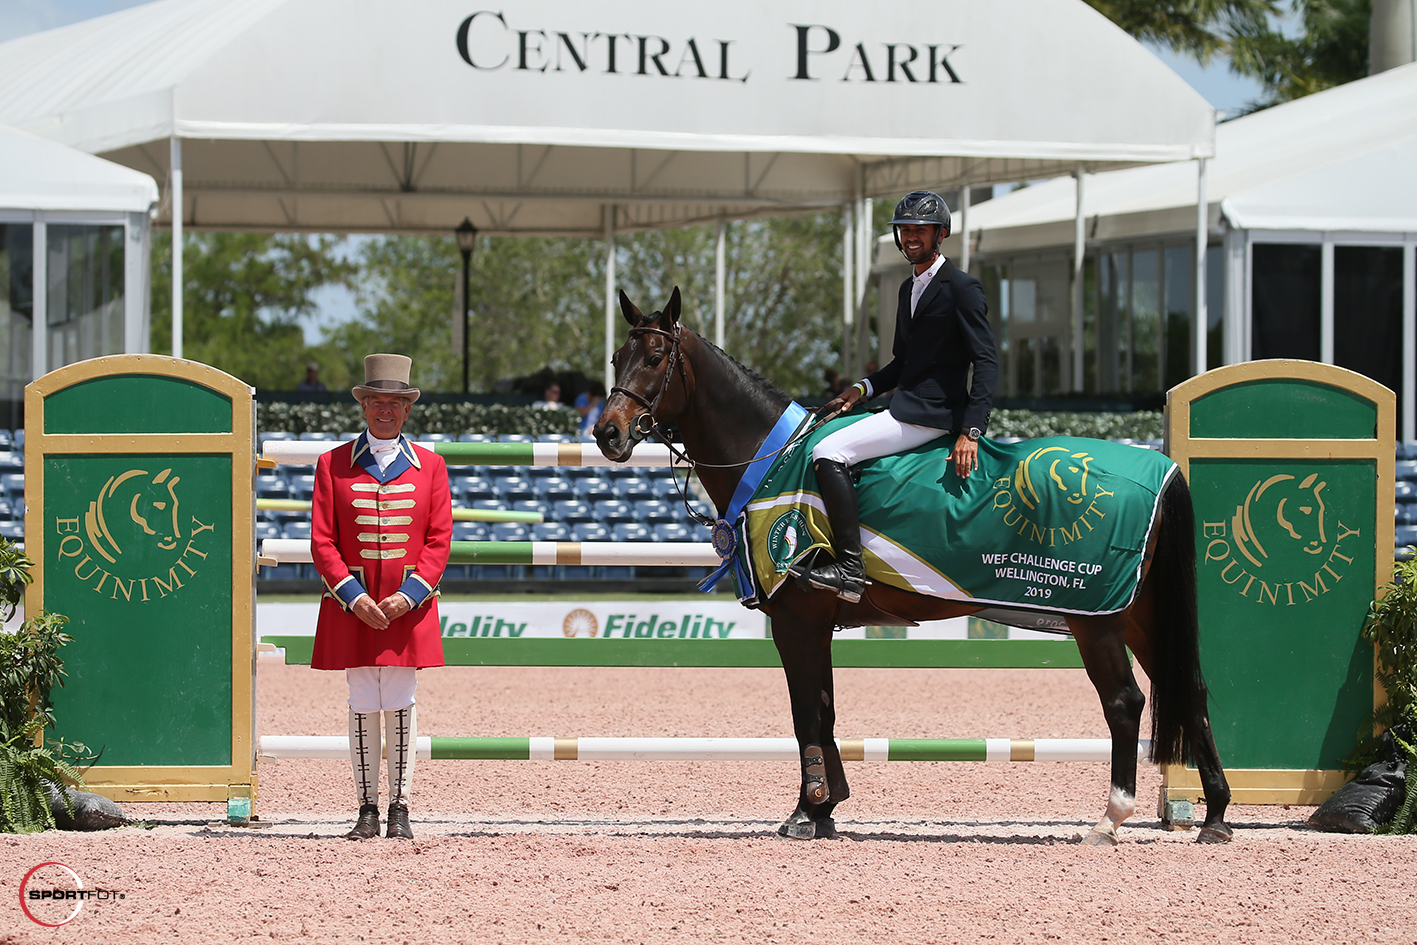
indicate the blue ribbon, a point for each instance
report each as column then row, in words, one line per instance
column 725, row 532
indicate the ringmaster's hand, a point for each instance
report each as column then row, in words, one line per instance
column 394, row 606
column 965, row 456
column 844, row 401
column 366, row 610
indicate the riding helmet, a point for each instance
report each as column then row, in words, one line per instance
column 921, row 207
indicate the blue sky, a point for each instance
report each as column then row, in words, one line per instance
column 1225, row 91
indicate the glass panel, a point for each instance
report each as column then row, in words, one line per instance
column 996, row 296
column 1285, row 301
column 1146, row 322
column 1179, row 282
column 1111, row 321
column 1090, row 292
column 1367, row 313
column 16, row 313
column 85, row 305
column 1215, row 277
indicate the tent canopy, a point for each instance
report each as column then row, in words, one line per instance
column 36, row 174
column 361, row 115
column 1340, row 159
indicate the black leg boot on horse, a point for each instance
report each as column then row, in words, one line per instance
column 847, row 574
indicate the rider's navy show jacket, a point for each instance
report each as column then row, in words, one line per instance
column 933, row 351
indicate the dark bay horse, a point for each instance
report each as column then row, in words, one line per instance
column 724, row 412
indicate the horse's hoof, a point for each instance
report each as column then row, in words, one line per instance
column 1097, row 838
column 798, row 829
column 826, row 829
column 1215, row 833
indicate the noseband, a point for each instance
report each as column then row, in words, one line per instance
column 644, row 424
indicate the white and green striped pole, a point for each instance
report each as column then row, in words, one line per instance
column 291, row 747
column 306, row 452
column 595, row 553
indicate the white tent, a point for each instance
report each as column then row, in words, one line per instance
column 359, row 115
column 36, row 174
column 1330, row 161
column 66, row 216
column 1331, row 169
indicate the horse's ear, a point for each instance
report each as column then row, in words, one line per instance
column 671, row 311
column 632, row 314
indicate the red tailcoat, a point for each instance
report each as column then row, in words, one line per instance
column 378, row 533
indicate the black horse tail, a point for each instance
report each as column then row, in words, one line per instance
column 1178, row 691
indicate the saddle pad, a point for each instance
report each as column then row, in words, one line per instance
column 1057, row 524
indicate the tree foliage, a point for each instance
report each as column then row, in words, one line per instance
column 1331, row 49
column 244, row 295
column 539, row 302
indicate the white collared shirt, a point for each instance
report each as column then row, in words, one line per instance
column 918, row 283
column 385, row 451
column 917, row 289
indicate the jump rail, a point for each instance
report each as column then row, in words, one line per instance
column 289, row 747
column 664, row 553
column 306, row 452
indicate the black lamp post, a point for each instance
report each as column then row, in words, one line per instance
column 467, row 239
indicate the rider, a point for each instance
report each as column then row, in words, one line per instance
column 942, row 330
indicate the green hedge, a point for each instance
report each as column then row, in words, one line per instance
column 1138, row 425
column 457, row 419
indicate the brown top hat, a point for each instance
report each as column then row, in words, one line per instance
column 386, row 374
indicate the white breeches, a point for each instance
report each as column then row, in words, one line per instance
column 879, row 434
column 376, row 688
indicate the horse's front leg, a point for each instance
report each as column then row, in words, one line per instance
column 1100, row 640
column 805, row 648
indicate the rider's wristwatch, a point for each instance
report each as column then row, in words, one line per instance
column 974, row 433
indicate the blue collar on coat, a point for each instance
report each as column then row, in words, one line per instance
column 363, row 456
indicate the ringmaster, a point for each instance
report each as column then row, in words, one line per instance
column 382, row 521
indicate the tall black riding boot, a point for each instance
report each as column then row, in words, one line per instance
column 847, row 574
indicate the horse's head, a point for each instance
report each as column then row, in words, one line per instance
column 652, row 379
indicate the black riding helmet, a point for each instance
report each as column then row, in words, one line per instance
column 921, row 207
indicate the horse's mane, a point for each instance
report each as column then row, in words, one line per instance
column 757, row 384
column 767, row 388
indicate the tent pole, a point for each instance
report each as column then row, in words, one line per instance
column 1202, row 320
column 848, row 284
column 609, row 212
column 1409, row 342
column 176, row 191
column 39, row 301
column 720, row 281
column 1326, row 301
column 964, row 194
column 1079, row 248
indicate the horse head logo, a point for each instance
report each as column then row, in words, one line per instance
column 1281, row 512
column 151, row 513
column 1066, row 473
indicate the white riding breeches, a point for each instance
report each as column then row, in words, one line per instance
column 376, row 688
column 879, row 434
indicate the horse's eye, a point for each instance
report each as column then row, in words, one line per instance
column 654, row 359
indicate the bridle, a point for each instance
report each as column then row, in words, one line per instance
column 640, row 429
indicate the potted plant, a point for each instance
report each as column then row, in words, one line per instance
column 1392, row 628
column 30, row 667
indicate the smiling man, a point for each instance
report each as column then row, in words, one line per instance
column 942, row 331
column 382, row 521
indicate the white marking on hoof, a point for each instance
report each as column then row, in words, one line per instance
column 1101, row 835
column 1120, row 806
